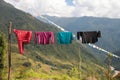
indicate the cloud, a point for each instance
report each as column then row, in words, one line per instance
column 97, row 8
column 43, row 7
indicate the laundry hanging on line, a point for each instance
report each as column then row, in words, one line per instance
column 44, row 38
column 88, row 36
column 23, row 37
column 47, row 37
column 64, row 37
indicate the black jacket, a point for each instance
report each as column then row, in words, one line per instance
column 89, row 36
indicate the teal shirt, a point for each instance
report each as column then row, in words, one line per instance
column 65, row 37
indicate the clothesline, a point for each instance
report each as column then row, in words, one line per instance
column 101, row 49
column 43, row 38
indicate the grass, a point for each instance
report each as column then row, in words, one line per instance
column 45, row 72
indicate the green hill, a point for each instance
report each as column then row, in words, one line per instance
column 47, row 62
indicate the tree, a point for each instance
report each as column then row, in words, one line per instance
column 3, row 48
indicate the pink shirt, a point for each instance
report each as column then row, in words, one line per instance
column 44, row 38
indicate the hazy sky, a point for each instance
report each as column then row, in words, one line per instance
column 70, row 8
